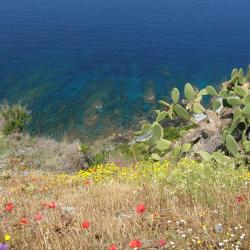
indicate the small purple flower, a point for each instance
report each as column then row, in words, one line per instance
column 4, row 246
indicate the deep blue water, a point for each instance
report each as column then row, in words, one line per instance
column 87, row 67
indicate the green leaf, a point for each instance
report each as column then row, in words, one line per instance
column 224, row 93
column 248, row 73
column 211, row 91
column 237, row 114
column 180, row 111
column 198, row 108
column 234, row 100
column 234, row 79
column 232, row 145
column 220, row 157
column 216, row 104
column 175, row 95
column 246, row 99
column 155, row 157
column 146, row 128
column 163, row 144
column 186, row 147
column 234, row 124
column 189, row 92
column 240, row 91
column 204, row 156
column 234, row 73
column 203, row 92
column 161, row 116
column 241, row 76
column 164, row 103
column 157, row 131
column 246, row 110
column 136, row 133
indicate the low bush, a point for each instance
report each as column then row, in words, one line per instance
column 15, row 116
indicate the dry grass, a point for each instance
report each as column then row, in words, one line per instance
column 180, row 219
column 44, row 153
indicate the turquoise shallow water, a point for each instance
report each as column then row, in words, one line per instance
column 88, row 68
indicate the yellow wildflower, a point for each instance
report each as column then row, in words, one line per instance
column 7, row 237
column 199, row 242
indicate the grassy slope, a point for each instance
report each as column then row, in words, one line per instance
column 183, row 203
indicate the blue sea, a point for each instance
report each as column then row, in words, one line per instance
column 89, row 68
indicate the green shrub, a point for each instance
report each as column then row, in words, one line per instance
column 174, row 133
column 15, row 116
column 222, row 125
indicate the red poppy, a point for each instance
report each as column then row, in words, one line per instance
column 112, row 247
column 24, row 221
column 85, row 224
column 240, row 199
column 9, row 206
column 38, row 217
column 52, row 204
column 135, row 244
column 140, row 208
column 162, row 243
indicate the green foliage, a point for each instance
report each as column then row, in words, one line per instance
column 246, row 146
column 232, row 145
column 161, row 116
column 180, row 111
column 248, row 73
column 189, row 92
column 174, row 133
column 233, row 99
column 175, row 95
column 84, row 148
column 196, row 179
column 211, row 91
column 15, row 116
column 163, row 144
column 99, row 158
column 156, row 132
column 238, row 77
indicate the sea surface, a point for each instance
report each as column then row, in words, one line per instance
column 87, row 68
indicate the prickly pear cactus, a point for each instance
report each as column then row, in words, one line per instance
column 228, row 115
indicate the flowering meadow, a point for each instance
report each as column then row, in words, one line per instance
column 187, row 205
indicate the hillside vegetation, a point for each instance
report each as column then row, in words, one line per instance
column 184, row 187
